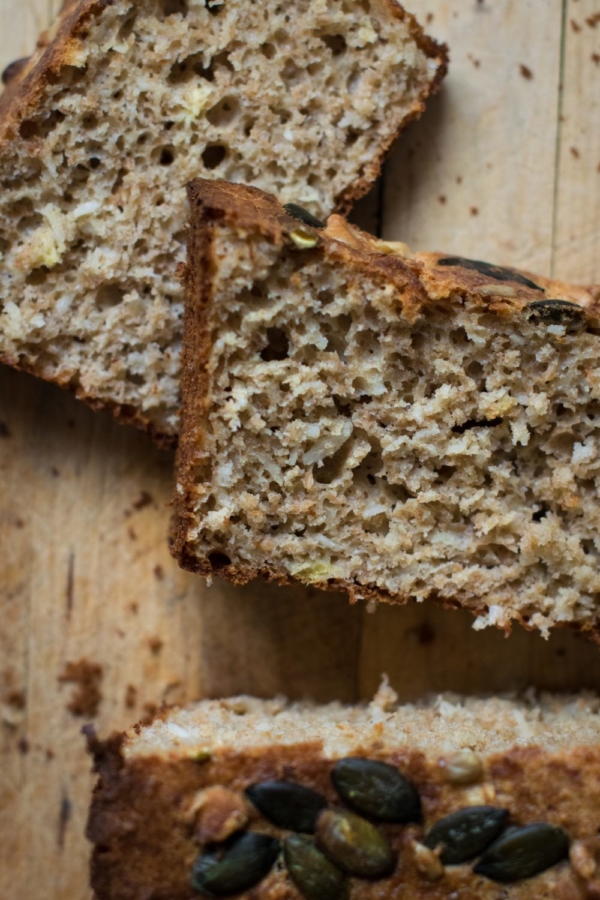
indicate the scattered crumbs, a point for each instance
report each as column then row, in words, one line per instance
column 49, row 755
column 133, row 607
column 159, row 572
column 156, row 644
column 16, row 699
column 596, row 58
column 130, row 696
column 4, row 432
column 526, row 72
column 474, row 211
column 145, row 499
column 19, row 523
column 442, row 199
column 575, row 152
column 429, row 18
column 23, row 746
column 592, row 21
column 54, row 472
column 475, row 61
column 132, row 534
column 150, row 710
column 66, row 808
column 87, row 696
column 575, row 26
column 459, row 179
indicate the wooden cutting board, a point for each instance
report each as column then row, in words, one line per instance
column 97, row 622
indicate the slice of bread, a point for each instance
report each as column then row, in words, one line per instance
column 397, row 426
column 173, row 793
column 123, row 103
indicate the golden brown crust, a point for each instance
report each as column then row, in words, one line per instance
column 144, row 846
column 421, row 279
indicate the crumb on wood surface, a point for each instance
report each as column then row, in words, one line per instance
column 87, row 696
column 526, row 72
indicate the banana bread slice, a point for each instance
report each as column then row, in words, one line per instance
column 477, row 799
column 123, row 103
column 398, row 426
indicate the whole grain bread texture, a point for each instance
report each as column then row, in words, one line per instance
column 122, row 103
column 390, row 424
column 174, row 790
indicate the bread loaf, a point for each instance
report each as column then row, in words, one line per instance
column 203, row 801
column 391, row 424
column 126, row 100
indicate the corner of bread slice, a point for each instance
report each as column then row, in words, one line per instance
column 395, row 425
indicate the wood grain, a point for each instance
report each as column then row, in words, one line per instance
column 85, row 572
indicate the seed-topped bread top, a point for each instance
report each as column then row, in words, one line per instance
column 472, row 798
column 125, row 101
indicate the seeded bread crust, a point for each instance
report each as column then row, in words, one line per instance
column 23, row 97
column 419, row 281
column 144, row 844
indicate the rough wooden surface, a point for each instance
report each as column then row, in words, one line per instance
column 504, row 166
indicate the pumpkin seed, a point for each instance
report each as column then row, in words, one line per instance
column 313, row 874
column 466, row 833
column 354, row 844
column 287, row 804
column 523, row 852
column 304, row 239
column 376, row 790
column 298, row 212
column 557, row 312
column 498, row 273
column 239, row 865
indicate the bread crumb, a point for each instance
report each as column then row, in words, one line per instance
column 130, row 696
column 87, row 696
column 156, row 644
column 526, row 72
column 592, row 21
column 575, row 26
column 575, row 152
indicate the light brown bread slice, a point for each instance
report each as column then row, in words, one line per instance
column 397, row 426
column 124, row 102
column 174, row 791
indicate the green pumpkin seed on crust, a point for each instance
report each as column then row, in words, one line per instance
column 287, row 804
column 466, row 833
column 354, row 844
column 377, row 790
column 315, row 876
column 236, row 867
column 523, row 852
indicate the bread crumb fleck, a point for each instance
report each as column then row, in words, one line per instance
column 87, row 696
column 156, row 644
column 526, row 72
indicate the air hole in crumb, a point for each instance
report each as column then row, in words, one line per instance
column 37, row 276
column 125, row 30
column 351, row 138
column 94, row 162
column 173, row 7
column 40, row 128
column 213, row 8
column 444, row 474
column 268, row 50
column 167, row 155
column 213, row 156
column 89, row 121
column 333, row 466
column 540, row 513
column 135, row 378
column 224, row 112
column 109, row 295
column 335, row 42
column 588, row 547
column 278, row 346
column 477, row 423
column 218, row 560
column 248, row 126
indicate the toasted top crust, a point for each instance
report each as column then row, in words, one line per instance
column 420, row 277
